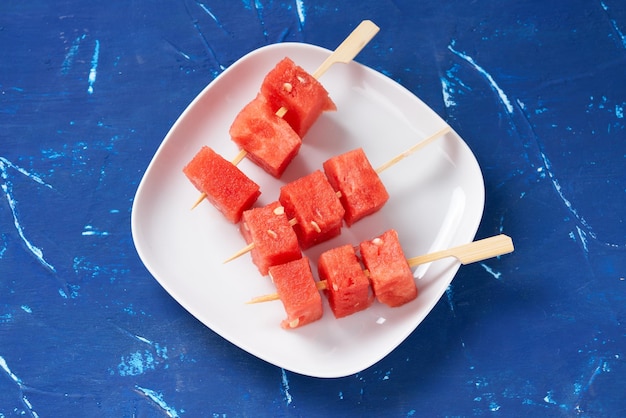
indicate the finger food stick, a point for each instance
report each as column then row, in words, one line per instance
column 379, row 170
column 250, row 246
column 466, row 254
column 239, row 157
column 235, row 161
column 343, row 54
column 413, row 149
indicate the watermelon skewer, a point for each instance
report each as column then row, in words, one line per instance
column 345, row 197
column 344, row 53
column 467, row 253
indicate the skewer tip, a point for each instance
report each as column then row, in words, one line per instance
column 200, row 199
column 239, row 253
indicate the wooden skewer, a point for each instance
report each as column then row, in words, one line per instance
column 250, row 246
column 242, row 154
column 344, row 53
column 235, row 161
column 241, row 252
column 350, row 47
column 321, row 285
column 379, row 170
column 413, row 149
column 466, row 254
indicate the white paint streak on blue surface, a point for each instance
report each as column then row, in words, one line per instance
column 583, row 238
column 209, row 12
column 143, row 339
column 493, row 406
column 73, row 289
column 34, row 177
column 603, row 104
column 20, row 384
column 91, row 231
column 4, row 246
column 503, row 97
column 566, row 202
column 69, row 57
column 301, row 11
column 614, row 25
column 258, row 6
column 6, row 318
column 548, row 398
column 94, row 67
column 8, row 371
column 157, row 398
column 491, row 271
column 142, row 361
column 601, row 366
column 8, row 193
column 285, row 387
column 450, row 297
column 212, row 16
column 447, row 91
column 137, row 363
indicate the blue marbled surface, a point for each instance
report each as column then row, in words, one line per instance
column 537, row 89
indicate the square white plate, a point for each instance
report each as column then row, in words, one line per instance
column 436, row 201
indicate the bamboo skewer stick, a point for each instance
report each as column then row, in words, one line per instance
column 240, row 156
column 344, row 53
column 413, row 149
column 250, row 246
column 350, row 47
column 241, row 252
column 379, row 170
column 321, row 285
column 471, row 252
column 466, row 254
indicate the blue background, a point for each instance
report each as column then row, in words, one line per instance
column 537, row 89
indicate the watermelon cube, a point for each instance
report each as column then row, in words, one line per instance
column 290, row 86
column 347, row 286
column 275, row 241
column 313, row 203
column 225, row 186
column 389, row 271
column 297, row 290
column 362, row 192
column 268, row 139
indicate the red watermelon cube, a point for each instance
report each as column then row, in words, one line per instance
column 347, row 286
column 313, row 203
column 362, row 192
column 290, row 86
column 268, row 139
column 297, row 290
column 275, row 241
column 389, row 271
column 225, row 186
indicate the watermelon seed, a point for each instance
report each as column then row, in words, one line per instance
column 316, row 227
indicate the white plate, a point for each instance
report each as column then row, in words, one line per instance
column 437, row 199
